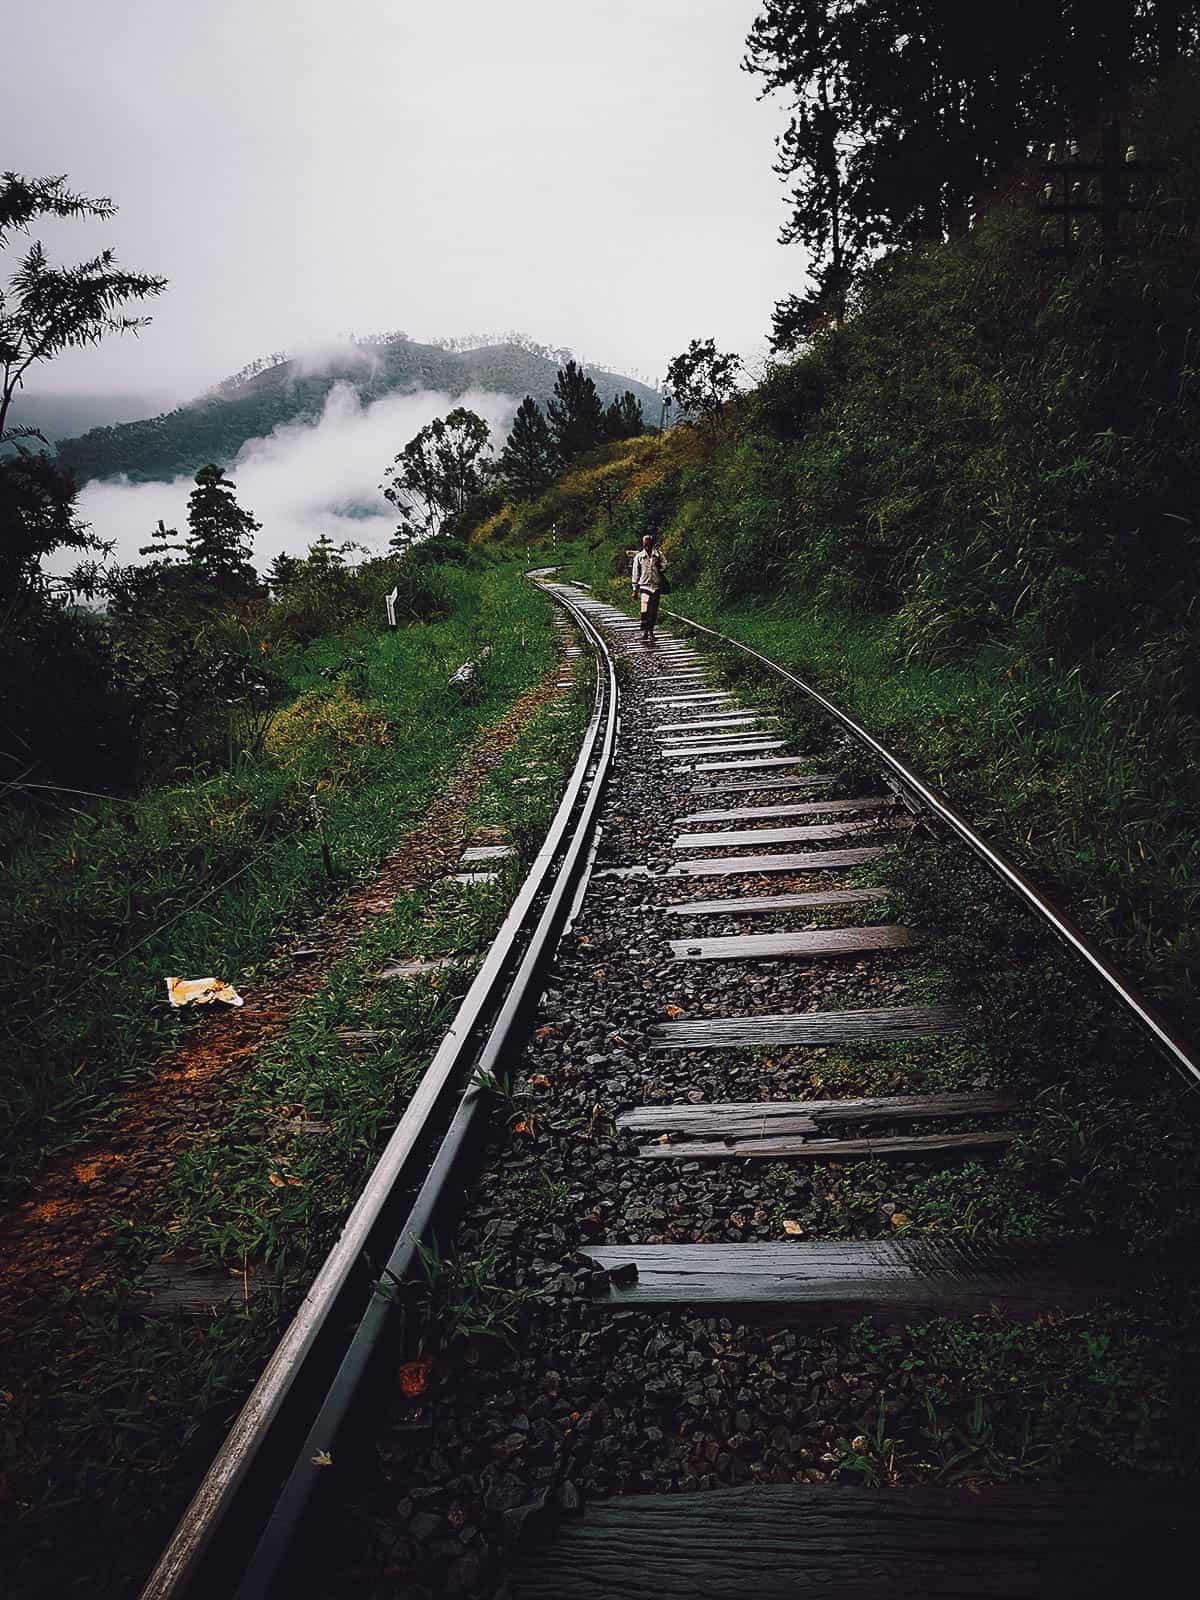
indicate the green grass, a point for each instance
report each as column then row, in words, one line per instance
column 98, row 906
column 115, row 1417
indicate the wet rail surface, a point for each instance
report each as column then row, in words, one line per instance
column 625, row 1204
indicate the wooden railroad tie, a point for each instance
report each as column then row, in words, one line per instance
column 800, row 808
column 807, row 861
column 729, row 719
column 814, row 780
column 776, row 1147
column 737, row 905
column 748, row 763
column 738, row 1119
column 813, row 943
column 687, row 750
column 771, row 1129
column 789, row 835
column 808, row 1028
column 838, row 1282
column 1027, row 1541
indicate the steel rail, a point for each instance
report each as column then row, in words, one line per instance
column 1177, row 1048
column 209, row 1552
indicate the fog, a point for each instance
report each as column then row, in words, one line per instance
column 301, row 480
column 600, row 175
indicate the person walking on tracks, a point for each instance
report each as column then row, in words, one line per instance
column 649, row 580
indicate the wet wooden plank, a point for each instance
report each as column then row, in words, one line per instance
column 808, row 861
column 737, row 905
column 774, row 1147
column 740, row 1119
column 742, row 836
column 809, row 1028
column 838, row 1282
column 800, row 808
column 185, row 1289
column 812, row 943
column 1037, row 1541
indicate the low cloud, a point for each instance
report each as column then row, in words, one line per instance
column 301, row 480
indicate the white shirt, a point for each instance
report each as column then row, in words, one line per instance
column 648, row 569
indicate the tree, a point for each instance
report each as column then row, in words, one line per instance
column 623, row 419
column 907, row 114
column 220, row 537
column 529, row 460
column 325, row 558
column 703, row 379
column 576, row 412
column 44, row 309
column 282, row 573
column 37, row 515
column 437, row 474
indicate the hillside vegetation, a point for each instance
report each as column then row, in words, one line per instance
column 970, row 514
column 198, row 873
column 216, row 426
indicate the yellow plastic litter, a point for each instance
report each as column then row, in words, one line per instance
column 201, row 992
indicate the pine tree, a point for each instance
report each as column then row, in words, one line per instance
column 576, row 412
column 623, row 419
column 220, row 535
column 324, row 556
column 282, row 572
column 529, row 461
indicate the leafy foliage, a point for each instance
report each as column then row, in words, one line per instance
column 65, row 714
column 46, row 309
column 438, row 473
column 37, row 517
column 703, row 380
column 906, row 117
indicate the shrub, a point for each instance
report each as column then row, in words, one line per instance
column 324, row 736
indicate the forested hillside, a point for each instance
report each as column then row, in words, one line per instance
column 215, row 426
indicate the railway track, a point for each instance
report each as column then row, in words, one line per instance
column 654, row 1040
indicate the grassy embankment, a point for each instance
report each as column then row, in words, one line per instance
column 192, row 879
column 118, row 1413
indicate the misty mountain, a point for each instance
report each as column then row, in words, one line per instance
column 216, row 425
column 57, row 415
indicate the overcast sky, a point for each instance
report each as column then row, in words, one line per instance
column 595, row 174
